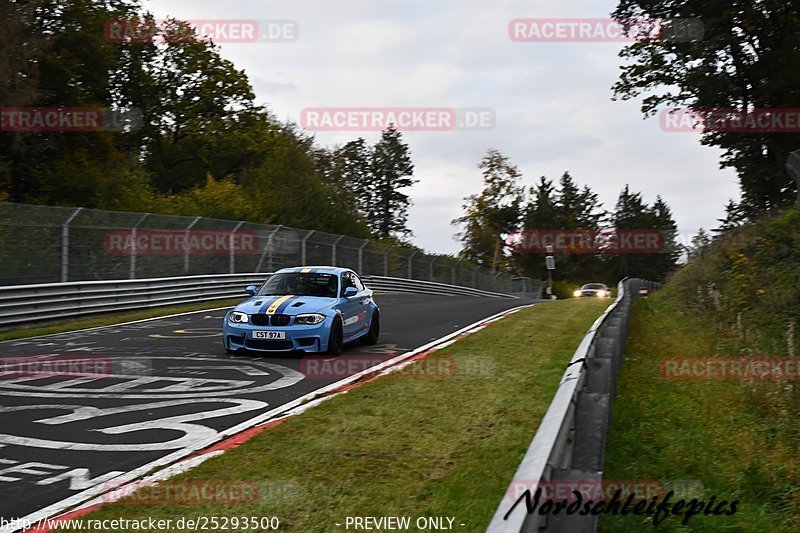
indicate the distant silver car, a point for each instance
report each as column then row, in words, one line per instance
column 594, row 290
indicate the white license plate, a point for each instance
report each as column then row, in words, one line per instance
column 274, row 335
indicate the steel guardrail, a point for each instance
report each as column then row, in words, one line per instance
column 25, row 304
column 570, row 441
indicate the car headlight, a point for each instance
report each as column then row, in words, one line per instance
column 238, row 318
column 601, row 294
column 313, row 318
column 576, row 294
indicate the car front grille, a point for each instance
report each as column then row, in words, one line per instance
column 261, row 319
column 263, row 344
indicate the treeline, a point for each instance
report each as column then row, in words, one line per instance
column 505, row 207
column 203, row 145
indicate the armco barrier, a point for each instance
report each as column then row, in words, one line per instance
column 570, row 441
column 24, row 304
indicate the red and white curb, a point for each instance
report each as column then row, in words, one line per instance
column 238, row 435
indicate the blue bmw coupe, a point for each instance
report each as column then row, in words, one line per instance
column 310, row 309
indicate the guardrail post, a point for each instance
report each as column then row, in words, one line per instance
column 475, row 277
column 361, row 257
column 65, row 245
column 233, row 255
column 333, row 249
column 134, row 231
column 303, row 248
column 430, row 268
column 386, row 263
column 453, row 275
column 186, row 243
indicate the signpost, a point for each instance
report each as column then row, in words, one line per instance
column 550, row 263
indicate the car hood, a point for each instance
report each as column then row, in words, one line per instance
column 293, row 306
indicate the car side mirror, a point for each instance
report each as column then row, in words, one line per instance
column 251, row 290
column 350, row 292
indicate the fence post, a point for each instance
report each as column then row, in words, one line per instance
column 132, row 273
column 410, row 263
column 233, row 255
column 430, row 269
column 268, row 248
column 65, row 245
column 333, row 249
column 475, row 277
column 186, row 244
column 453, row 275
column 303, row 249
column 361, row 258
column 386, row 262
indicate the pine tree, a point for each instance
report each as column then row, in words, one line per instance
column 391, row 170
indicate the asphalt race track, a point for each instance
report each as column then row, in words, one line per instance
column 165, row 387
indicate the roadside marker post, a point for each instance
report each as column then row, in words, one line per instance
column 550, row 263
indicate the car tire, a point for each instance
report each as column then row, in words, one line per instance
column 374, row 330
column 336, row 337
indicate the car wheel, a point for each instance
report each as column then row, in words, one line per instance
column 336, row 337
column 374, row 331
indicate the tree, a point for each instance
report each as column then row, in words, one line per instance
column 199, row 112
column 664, row 262
column 733, row 218
column 492, row 214
column 564, row 207
column 391, row 170
column 349, row 178
column 204, row 147
column 57, row 57
column 699, row 243
column 632, row 213
column 541, row 211
column 576, row 208
column 746, row 59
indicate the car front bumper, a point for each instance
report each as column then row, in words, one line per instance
column 296, row 337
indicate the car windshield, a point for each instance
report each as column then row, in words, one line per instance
column 301, row 284
column 592, row 286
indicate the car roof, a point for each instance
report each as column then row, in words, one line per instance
column 315, row 269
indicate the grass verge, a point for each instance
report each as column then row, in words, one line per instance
column 111, row 318
column 710, row 437
column 442, row 445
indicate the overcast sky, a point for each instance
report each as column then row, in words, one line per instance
column 552, row 101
